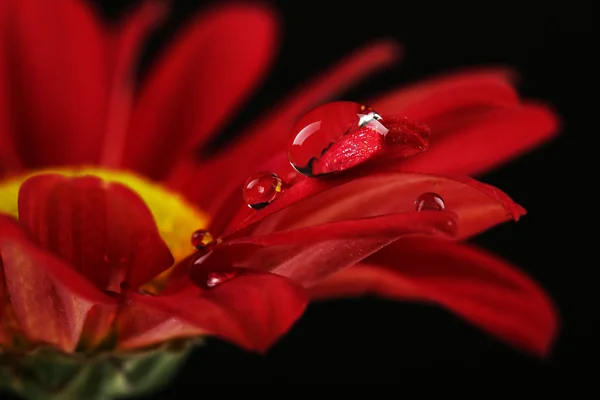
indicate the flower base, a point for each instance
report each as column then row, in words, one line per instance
column 49, row 374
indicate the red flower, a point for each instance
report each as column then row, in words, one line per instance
column 88, row 258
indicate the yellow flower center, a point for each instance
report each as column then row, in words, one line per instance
column 175, row 217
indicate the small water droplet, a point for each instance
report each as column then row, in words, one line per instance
column 202, row 238
column 218, row 277
column 429, row 202
column 315, row 133
column 261, row 189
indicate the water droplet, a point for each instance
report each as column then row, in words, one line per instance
column 262, row 189
column 315, row 133
column 202, row 238
column 429, row 202
column 218, row 277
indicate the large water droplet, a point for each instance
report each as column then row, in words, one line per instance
column 262, row 189
column 319, row 129
column 429, row 202
column 202, row 238
column 218, row 277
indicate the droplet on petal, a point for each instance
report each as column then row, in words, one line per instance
column 319, row 129
column 218, row 277
column 261, row 189
column 429, row 202
column 202, row 238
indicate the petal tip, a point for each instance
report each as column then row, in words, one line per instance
column 389, row 49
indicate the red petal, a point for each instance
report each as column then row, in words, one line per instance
column 244, row 157
column 98, row 326
column 387, row 226
column 48, row 298
column 205, row 76
column 307, row 259
column 5, row 333
column 126, row 51
column 466, row 89
column 252, row 310
column 361, row 194
column 471, row 283
column 103, row 229
column 9, row 161
column 141, row 326
column 485, row 140
column 9, row 327
column 58, row 74
column 475, row 118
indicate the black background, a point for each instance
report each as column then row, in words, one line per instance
column 369, row 340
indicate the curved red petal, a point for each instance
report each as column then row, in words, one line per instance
column 475, row 145
column 141, row 326
column 103, row 229
column 472, row 283
column 471, row 89
column 308, row 259
column 361, row 194
column 476, row 121
column 125, row 53
column 48, row 298
column 58, row 74
column 386, row 226
column 205, row 76
column 244, row 157
column 252, row 310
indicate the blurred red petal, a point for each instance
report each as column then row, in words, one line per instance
column 58, row 74
column 472, row 283
column 466, row 89
column 9, row 161
column 5, row 334
column 203, row 79
column 252, row 310
column 127, row 45
column 475, row 118
column 365, row 193
column 484, row 141
column 102, row 229
column 9, row 326
column 48, row 298
column 245, row 157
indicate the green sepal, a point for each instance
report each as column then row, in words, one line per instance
column 46, row 373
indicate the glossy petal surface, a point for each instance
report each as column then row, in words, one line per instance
column 364, row 194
